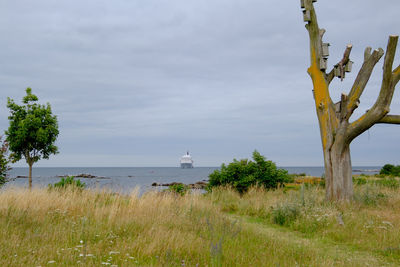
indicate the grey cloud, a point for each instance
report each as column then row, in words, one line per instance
column 140, row 82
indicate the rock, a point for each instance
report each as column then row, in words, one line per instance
column 197, row 185
column 83, row 175
column 173, row 183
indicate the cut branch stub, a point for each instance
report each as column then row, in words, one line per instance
column 306, row 4
column 367, row 53
column 340, row 67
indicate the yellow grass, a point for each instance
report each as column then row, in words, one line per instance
column 43, row 228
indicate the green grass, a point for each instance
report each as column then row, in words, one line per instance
column 222, row 228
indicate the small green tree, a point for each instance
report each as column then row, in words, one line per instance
column 246, row 173
column 4, row 161
column 32, row 132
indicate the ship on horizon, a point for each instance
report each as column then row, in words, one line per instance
column 186, row 161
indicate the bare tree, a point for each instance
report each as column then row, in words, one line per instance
column 336, row 131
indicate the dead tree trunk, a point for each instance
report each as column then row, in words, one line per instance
column 337, row 132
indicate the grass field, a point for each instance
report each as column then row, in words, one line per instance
column 261, row 228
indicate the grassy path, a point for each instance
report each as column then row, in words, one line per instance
column 334, row 253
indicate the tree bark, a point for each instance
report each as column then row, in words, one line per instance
column 338, row 173
column 30, row 175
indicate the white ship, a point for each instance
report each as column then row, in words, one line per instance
column 186, row 161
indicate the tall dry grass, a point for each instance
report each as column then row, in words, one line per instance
column 87, row 228
column 370, row 223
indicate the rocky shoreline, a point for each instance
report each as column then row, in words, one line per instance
column 84, row 175
column 198, row 185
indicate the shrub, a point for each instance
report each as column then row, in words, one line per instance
column 285, row 214
column 243, row 174
column 68, row 182
column 179, row 188
column 389, row 169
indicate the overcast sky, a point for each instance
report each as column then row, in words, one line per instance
column 138, row 83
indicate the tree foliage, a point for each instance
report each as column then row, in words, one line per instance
column 4, row 161
column 33, row 129
column 245, row 173
column 32, row 132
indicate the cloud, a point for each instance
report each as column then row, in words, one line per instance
column 132, row 81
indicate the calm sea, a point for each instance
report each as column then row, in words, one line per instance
column 124, row 180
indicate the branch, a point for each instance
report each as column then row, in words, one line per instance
column 317, row 74
column 363, row 76
column 343, row 104
column 390, row 119
column 382, row 104
column 342, row 63
column 330, row 76
column 396, row 75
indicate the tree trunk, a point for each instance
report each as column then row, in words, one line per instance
column 338, row 173
column 30, row 175
column 336, row 131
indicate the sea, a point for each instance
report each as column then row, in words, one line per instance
column 126, row 179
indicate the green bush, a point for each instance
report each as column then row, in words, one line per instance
column 389, row 169
column 179, row 188
column 243, row 174
column 285, row 214
column 68, row 182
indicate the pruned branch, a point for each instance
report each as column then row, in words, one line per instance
column 341, row 65
column 396, row 75
column 382, row 104
column 390, row 119
column 367, row 53
column 363, row 76
column 344, row 61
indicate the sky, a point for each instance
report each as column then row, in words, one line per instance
column 138, row 83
